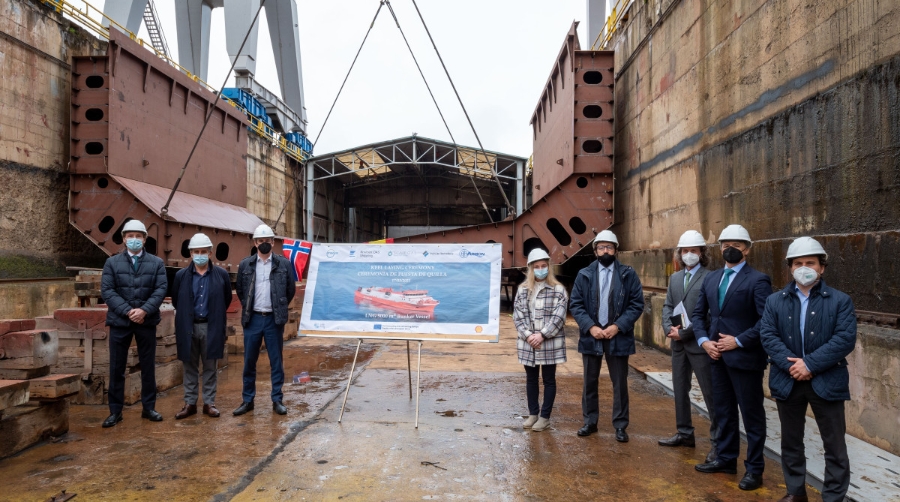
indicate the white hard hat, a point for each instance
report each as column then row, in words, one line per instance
column 691, row 238
column 263, row 231
column 537, row 254
column 606, row 236
column 805, row 246
column 199, row 241
column 735, row 233
column 134, row 226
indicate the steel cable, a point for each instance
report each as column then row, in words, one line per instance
column 509, row 206
column 319, row 135
column 165, row 209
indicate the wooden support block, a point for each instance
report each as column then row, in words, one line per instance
column 29, row 424
column 166, row 324
column 92, row 391
column 90, row 316
column 9, row 374
column 10, row 325
column 166, row 340
column 54, row 386
column 90, row 293
column 166, row 350
column 28, row 349
column 168, row 375
column 13, row 393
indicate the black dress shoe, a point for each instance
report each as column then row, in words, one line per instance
column 151, row 415
column 587, row 430
column 679, row 440
column 750, row 481
column 112, row 420
column 712, row 455
column 718, row 466
column 243, row 408
column 279, row 408
column 621, row 436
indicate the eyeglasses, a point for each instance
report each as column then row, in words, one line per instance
column 606, row 247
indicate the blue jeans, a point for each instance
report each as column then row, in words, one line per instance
column 259, row 328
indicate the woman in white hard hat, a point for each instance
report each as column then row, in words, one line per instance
column 539, row 315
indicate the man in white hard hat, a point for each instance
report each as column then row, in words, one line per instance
column 607, row 299
column 265, row 285
column 201, row 293
column 133, row 286
column 687, row 356
column 726, row 324
column 808, row 330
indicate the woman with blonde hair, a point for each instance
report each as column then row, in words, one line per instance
column 539, row 315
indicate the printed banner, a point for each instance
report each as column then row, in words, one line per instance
column 404, row 291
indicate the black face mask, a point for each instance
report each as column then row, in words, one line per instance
column 265, row 248
column 606, row 259
column 732, row 255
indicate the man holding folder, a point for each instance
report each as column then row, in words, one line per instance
column 687, row 356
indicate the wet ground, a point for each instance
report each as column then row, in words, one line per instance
column 471, row 402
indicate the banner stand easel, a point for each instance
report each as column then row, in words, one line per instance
column 408, row 371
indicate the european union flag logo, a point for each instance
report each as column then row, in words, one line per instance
column 377, row 326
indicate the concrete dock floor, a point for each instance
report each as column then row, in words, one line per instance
column 471, row 401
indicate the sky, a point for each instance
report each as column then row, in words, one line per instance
column 498, row 52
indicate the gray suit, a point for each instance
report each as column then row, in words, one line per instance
column 687, row 356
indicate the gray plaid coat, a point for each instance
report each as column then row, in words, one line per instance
column 549, row 319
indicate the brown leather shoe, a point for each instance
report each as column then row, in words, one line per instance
column 794, row 498
column 186, row 411
column 210, row 409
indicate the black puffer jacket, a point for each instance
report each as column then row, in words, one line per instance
column 124, row 289
column 281, row 282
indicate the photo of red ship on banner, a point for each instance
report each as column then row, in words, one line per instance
column 409, row 301
column 404, row 291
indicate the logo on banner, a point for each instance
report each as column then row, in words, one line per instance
column 352, row 253
column 478, row 329
column 425, row 254
column 331, row 253
column 465, row 253
column 377, row 326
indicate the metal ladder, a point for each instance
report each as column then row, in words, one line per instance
column 157, row 37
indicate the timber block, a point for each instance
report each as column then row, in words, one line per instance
column 13, row 393
column 45, row 322
column 54, row 386
column 10, row 325
column 90, row 316
column 28, row 349
column 168, row 375
column 29, row 424
column 166, row 324
column 12, row 374
column 91, row 391
column 166, row 340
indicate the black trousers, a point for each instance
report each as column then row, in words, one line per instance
column 832, row 426
column 685, row 364
column 119, row 341
column 532, row 389
column 735, row 389
column 618, row 374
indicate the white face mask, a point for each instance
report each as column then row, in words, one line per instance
column 805, row 276
column 690, row 259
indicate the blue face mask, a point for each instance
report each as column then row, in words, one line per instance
column 200, row 259
column 541, row 273
column 134, row 245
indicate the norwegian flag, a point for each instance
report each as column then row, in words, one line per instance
column 298, row 254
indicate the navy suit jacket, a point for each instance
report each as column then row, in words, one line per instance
column 744, row 305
